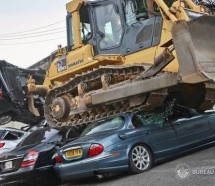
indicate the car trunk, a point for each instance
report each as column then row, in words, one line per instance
column 10, row 163
column 84, row 143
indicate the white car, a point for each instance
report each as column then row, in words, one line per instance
column 10, row 138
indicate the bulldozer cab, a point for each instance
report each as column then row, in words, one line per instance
column 112, row 26
column 123, row 27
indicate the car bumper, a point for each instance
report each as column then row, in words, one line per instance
column 107, row 163
column 25, row 176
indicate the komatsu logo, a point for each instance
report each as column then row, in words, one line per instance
column 76, row 63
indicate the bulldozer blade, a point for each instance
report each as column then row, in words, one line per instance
column 194, row 43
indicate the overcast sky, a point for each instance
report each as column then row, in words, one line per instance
column 31, row 30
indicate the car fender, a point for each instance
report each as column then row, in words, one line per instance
column 128, row 144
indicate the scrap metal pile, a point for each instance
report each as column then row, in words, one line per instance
column 13, row 98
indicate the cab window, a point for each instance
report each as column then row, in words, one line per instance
column 85, row 26
column 70, row 31
column 135, row 10
column 109, row 26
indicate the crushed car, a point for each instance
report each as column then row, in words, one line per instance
column 13, row 99
column 31, row 162
column 133, row 142
column 10, row 138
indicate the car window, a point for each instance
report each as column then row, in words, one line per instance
column 12, row 135
column 182, row 112
column 39, row 136
column 105, row 125
column 33, row 138
column 147, row 119
column 2, row 134
column 51, row 135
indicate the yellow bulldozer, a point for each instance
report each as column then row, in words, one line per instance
column 120, row 59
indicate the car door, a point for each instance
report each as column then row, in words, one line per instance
column 157, row 132
column 192, row 128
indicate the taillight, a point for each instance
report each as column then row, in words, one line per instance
column 95, row 150
column 57, row 158
column 2, row 144
column 1, row 93
column 30, row 159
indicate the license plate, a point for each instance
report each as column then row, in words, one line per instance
column 8, row 165
column 74, row 153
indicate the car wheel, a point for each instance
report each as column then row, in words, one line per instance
column 5, row 119
column 140, row 159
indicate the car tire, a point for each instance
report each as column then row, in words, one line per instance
column 5, row 119
column 140, row 159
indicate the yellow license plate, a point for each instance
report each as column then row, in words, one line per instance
column 74, row 153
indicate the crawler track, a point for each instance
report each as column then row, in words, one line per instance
column 117, row 75
column 92, row 79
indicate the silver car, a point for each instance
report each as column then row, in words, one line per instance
column 10, row 138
